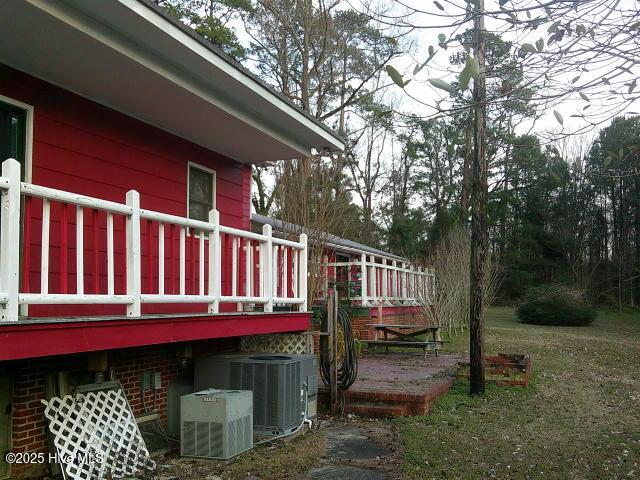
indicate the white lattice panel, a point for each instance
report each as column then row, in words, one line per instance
column 293, row 343
column 96, row 436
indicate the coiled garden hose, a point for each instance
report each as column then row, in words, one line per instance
column 348, row 364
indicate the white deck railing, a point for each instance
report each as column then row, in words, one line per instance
column 186, row 261
column 382, row 281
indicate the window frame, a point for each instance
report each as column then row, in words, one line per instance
column 28, row 147
column 214, row 181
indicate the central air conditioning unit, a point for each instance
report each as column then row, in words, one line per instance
column 216, row 423
column 281, row 384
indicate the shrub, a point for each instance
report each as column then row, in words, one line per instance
column 555, row 305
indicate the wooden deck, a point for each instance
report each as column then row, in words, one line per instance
column 40, row 337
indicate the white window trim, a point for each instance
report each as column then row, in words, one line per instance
column 28, row 148
column 28, row 161
column 215, row 182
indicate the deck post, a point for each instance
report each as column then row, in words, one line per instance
column 412, row 284
column 363, row 279
column 134, row 266
column 215, row 262
column 266, row 277
column 9, row 241
column 373, row 276
column 304, row 255
column 394, row 281
column 385, row 281
column 403, row 283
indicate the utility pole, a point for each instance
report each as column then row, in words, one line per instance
column 479, row 194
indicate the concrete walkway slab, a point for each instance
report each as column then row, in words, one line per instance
column 342, row 472
column 357, row 451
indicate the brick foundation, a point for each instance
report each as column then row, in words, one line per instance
column 30, row 377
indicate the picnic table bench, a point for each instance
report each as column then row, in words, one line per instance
column 405, row 335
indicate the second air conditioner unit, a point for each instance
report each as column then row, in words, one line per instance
column 216, row 423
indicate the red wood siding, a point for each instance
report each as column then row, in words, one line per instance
column 83, row 147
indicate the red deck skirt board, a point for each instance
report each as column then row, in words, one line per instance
column 58, row 337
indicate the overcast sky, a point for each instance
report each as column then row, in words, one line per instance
column 431, row 24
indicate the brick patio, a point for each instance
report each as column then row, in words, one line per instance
column 400, row 384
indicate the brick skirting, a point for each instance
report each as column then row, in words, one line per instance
column 30, row 377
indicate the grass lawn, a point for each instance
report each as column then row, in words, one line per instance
column 580, row 418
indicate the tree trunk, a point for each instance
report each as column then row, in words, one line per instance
column 505, row 195
column 635, row 282
column 466, row 170
column 479, row 193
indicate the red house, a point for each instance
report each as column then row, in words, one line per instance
column 125, row 245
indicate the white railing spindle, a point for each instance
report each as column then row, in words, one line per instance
column 235, row 251
column 275, row 270
column 110, row 266
column 294, row 272
column 201, row 264
column 285, row 272
column 161, row 258
column 44, row 255
column 79, row 250
column 248, row 268
column 183, row 262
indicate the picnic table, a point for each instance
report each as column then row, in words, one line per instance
column 406, row 335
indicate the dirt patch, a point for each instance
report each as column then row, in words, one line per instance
column 277, row 461
column 350, row 448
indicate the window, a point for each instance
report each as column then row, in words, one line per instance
column 202, row 192
column 13, row 133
